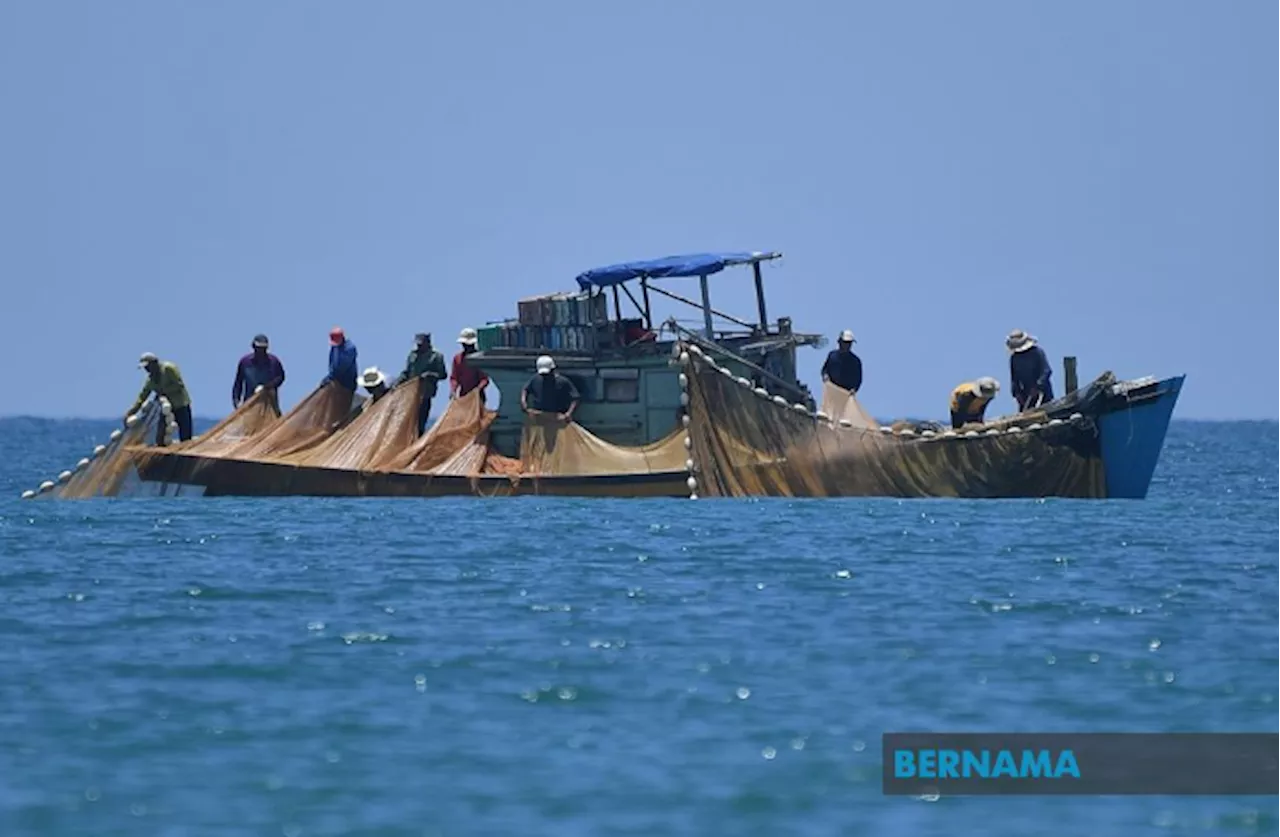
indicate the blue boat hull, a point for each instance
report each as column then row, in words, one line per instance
column 1132, row 432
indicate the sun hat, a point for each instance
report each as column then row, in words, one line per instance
column 372, row 377
column 988, row 386
column 260, row 341
column 337, row 336
column 545, row 364
column 147, row 357
column 846, row 336
column 467, row 337
column 1019, row 341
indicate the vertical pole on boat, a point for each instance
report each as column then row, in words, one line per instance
column 764, row 318
column 648, row 313
column 1069, row 372
column 706, row 307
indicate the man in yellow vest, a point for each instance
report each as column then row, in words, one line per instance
column 969, row 401
column 164, row 379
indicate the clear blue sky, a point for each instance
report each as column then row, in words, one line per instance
column 175, row 177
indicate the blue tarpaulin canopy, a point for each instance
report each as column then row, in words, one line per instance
column 699, row 264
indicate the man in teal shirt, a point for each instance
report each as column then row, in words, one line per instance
column 426, row 363
column 164, row 379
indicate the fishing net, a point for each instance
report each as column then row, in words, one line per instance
column 550, row 447
column 251, row 420
column 110, row 466
column 382, row 430
column 746, row 442
column 457, row 432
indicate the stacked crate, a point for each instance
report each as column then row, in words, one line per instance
column 556, row 322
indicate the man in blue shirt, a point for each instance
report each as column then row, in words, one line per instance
column 257, row 369
column 843, row 368
column 342, row 360
column 1029, row 370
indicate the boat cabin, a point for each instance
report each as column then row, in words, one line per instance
column 605, row 339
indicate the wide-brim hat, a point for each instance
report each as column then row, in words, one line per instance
column 467, row 337
column 987, row 386
column 372, row 377
column 1019, row 341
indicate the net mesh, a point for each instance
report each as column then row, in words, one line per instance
column 550, row 447
column 110, row 468
column 746, row 443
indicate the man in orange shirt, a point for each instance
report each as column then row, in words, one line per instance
column 465, row 378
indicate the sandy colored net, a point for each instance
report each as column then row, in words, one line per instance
column 382, row 430
column 462, row 429
column 112, row 467
column 550, row 447
column 745, row 443
column 308, row 424
column 253, row 419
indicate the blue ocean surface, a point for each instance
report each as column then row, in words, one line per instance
column 599, row 667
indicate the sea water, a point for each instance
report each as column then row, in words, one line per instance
column 592, row 667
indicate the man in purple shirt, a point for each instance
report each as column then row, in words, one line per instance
column 259, row 368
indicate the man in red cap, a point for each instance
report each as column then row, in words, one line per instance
column 342, row 360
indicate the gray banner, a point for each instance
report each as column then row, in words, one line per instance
column 1122, row 764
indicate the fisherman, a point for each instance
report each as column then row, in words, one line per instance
column 342, row 360
column 374, row 383
column 969, row 401
column 258, row 369
column 428, row 364
column 1029, row 371
column 843, row 368
column 164, row 379
column 465, row 378
column 549, row 392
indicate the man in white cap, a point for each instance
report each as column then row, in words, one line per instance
column 969, row 401
column 1029, row 371
column 549, row 392
column 464, row 378
column 843, row 368
column 164, row 379
column 428, row 364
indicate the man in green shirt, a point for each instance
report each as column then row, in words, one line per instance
column 426, row 363
column 164, row 379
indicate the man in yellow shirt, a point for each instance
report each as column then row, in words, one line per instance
column 969, row 401
column 164, row 379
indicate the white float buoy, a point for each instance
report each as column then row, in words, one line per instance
column 28, row 494
column 82, row 464
column 1077, row 416
column 684, row 399
column 684, row 381
column 98, row 450
column 165, row 407
column 64, row 476
column 688, row 443
column 688, row 465
column 259, row 388
column 1055, row 422
column 684, row 420
column 131, row 420
column 724, row 370
column 972, row 434
column 1014, row 429
column 928, row 434
column 884, row 429
column 693, row 496
column 906, row 431
column 761, row 391
column 116, row 434
column 992, row 432
column 684, row 358
column 743, row 382
column 695, row 349
column 780, row 401
column 47, row 485
column 1033, row 426
column 800, row 408
column 692, row 482
column 846, row 423
column 822, row 416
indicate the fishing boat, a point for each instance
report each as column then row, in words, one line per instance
column 666, row 411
